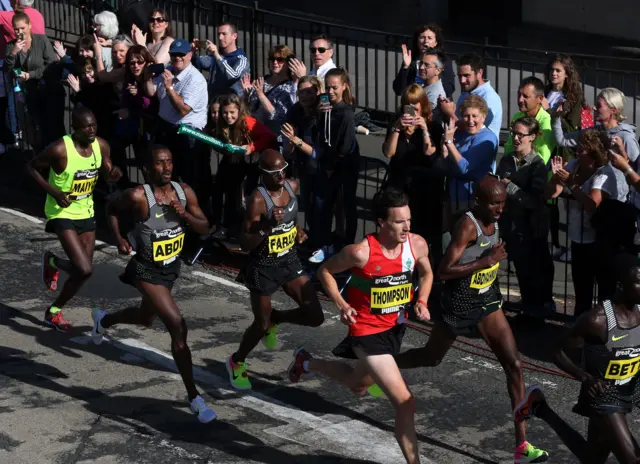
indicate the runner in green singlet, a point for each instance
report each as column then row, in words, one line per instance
column 74, row 163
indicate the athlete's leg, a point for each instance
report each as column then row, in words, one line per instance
column 261, row 307
column 80, row 265
column 309, row 310
column 357, row 378
column 144, row 314
column 432, row 353
column 569, row 436
column 615, row 429
column 168, row 311
column 497, row 334
column 386, row 374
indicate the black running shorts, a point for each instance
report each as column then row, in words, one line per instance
column 464, row 323
column 266, row 280
column 610, row 402
column 80, row 226
column 139, row 270
column 387, row 342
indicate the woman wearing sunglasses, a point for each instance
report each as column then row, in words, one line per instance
column 159, row 38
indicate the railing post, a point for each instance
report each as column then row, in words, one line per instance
column 254, row 38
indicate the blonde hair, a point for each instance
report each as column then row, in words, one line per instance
column 614, row 99
column 474, row 101
column 314, row 81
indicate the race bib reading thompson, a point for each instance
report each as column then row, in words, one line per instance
column 167, row 245
column 84, row 182
column 391, row 293
column 282, row 242
column 481, row 280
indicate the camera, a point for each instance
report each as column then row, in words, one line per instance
column 20, row 36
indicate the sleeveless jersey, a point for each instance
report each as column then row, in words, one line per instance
column 616, row 362
column 480, row 288
column 278, row 246
column 382, row 290
column 159, row 239
column 79, row 179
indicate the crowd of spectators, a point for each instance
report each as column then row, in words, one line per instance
column 142, row 83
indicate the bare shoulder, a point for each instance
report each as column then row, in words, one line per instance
column 419, row 246
column 295, row 185
column 358, row 253
column 256, row 204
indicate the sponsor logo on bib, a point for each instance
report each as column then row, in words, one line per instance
column 84, row 182
column 481, row 280
column 167, row 245
column 622, row 370
column 281, row 243
column 391, row 293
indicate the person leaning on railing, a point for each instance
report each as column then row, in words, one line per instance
column 589, row 181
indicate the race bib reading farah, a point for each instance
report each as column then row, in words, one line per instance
column 167, row 245
column 281, row 243
column 391, row 293
column 84, row 182
column 481, row 280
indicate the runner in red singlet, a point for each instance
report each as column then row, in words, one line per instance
column 379, row 292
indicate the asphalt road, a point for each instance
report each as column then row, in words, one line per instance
column 65, row 400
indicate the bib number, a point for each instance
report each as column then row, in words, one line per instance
column 390, row 294
column 280, row 244
column 167, row 246
column 84, row 182
column 481, row 280
column 622, row 370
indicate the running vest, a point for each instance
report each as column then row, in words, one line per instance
column 616, row 362
column 481, row 287
column 381, row 291
column 278, row 245
column 159, row 239
column 79, row 179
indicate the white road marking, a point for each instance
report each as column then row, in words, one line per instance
column 28, row 217
column 220, row 280
column 357, row 439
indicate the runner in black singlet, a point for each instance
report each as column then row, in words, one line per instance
column 162, row 210
column 610, row 334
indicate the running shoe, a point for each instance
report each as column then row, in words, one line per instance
column 321, row 254
column 526, row 408
column 57, row 321
column 49, row 273
column 238, row 374
column 97, row 333
column 205, row 413
column 270, row 339
column 296, row 368
column 529, row 453
column 375, row 391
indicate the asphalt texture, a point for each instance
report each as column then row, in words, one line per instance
column 65, row 400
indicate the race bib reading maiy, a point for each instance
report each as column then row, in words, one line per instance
column 84, row 182
column 282, row 239
column 167, row 245
column 481, row 280
column 622, row 370
column 391, row 293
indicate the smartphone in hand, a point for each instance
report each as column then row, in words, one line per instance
column 156, row 69
column 324, row 98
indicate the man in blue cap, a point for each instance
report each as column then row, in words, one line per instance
column 183, row 98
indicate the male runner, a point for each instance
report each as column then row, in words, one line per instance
column 162, row 210
column 610, row 334
column 270, row 233
column 73, row 163
column 471, row 298
column 379, row 292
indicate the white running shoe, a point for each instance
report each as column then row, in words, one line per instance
column 321, row 254
column 97, row 333
column 205, row 413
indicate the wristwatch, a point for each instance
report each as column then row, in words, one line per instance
column 299, row 144
column 170, row 88
column 448, row 142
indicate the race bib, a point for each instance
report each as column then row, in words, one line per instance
column 84, row 182
column 481, row 280
column 281, row 243
column 622, row 370
column 391, row 293
column 167, row 245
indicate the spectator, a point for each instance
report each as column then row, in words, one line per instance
column 524, row 224
column 431, row 68
column 160, row 37
column 335, row 167
column 321, row 49
column 182, row 97
column 271, row 97
column 427, row 37
column 468, row 153
column 105, row 25
column 226, row 65
column 41, row 107
column 236, row 127
column 530, row 99
column 589, row 180
column 471, row 75
column 120, row 47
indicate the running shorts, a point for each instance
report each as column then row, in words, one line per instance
column 387, row 342
column 464, row 323
column 80, row 226
column 266, row 280
column 139, row 270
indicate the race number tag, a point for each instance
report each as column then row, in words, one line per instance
column 622, row 370
column 167, row 245
column 281, row 243
column 481, row 280
column 391, row 293
column 84, row 182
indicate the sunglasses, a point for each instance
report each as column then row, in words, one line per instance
column 318, row 49
column 518, row 134
column 277, row 172
column 136, row 62
column 157, row 20
column 277, row 59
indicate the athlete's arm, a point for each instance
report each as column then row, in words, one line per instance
column 255, row 224
column 193, row 215
column 127, row 202
column 590, row 326
column 107, row 169
column 421, row 250
column 53, row 157
column 349, row 257
column 465, row 233
column 301, row 234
